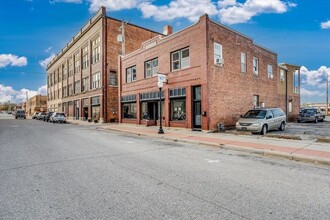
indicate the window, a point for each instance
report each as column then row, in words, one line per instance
column 129, row 110
column 113, row 78
column 255, row 66
column 255, row 101
column 296, row 82
column 70, row 90
column 270, row 71
column 131, row 74
column 180, row 59
column 70, row 67
column 77, row 87
column 96, row 80
column 96, row 50
column 178, row 109
column 151, row 68
column 243, row 62
column 282, row 75
column 64, row 92
column 64, row 71
column 85, row 57
column 55, row 76
column 218, row 53
column 77, row 63
column 85, row 84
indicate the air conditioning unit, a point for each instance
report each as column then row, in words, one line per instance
column 120, row 38
column 219, row 61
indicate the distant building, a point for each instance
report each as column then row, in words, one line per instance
column 37, row 103
column 82, row 78
column 214, row 74
column 288, row 85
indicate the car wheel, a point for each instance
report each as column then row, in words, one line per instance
column 316, row 120
column 263, row 130
column 282, row 126
column 298, row 121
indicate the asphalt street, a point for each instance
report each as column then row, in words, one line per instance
column 63, row 171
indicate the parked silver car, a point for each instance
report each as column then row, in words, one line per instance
column 57, row 117
column 310, row 115
column 262, row 120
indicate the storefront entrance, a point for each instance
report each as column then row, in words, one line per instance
column 197, row 108
column 85, row 113
column 149, row 110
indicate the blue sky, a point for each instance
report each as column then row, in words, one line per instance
column 34, row 30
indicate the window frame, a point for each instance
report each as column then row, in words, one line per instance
column 270, row 74
column 129, row 72
column 243, row 70
column 153, row 69
column 255, row 67
column 180, row 59
column 215, row 55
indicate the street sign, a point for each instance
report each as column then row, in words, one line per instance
column 161, row 78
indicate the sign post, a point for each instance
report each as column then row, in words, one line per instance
column 160, row 83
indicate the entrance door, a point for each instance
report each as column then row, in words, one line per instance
column 85, row 113
column 197, row 108
column 77, row 113
column 153, row 110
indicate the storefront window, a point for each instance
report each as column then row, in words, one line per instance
column 178, row 109
column 129, row 110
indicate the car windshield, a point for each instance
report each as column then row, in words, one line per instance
column 255, row 114
column 309, row 111
column 60, row 114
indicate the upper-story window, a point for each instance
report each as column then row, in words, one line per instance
column 77, row 87
column 96, row 49
column 282, row 75
column 243, row 62
column 64, row 71
column 70, row 89
column 96, row 77
column 218, row 59
column 151, row 68
column 56, row 76
column 255, row 66
column 77, row 63
column 296, row 82
column 270, row 71
column 85, row 57
column 113, row 78
column 85, row 84
column 70, row 67
column 180, row 59
column 131, row 74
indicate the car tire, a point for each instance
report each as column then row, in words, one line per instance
column 263, row 130
column 298, row 121
column 282, row 126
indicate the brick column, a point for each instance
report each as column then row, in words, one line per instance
column 90, row 108
column 101, row 109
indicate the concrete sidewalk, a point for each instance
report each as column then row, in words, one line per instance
column 299, row 150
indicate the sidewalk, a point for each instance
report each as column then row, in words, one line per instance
column 299, row 150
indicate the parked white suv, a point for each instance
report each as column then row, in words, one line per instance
column 57, row 117
column 261, row 120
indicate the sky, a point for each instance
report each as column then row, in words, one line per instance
column 33, row 31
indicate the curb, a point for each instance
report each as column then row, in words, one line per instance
column 268, row 153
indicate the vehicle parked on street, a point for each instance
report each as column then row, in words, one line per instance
column 262, row 120
column 57, row 117
column 46, row 118
column 20, row 114
column 310, row 115
column 34, row 115
column 41, row 115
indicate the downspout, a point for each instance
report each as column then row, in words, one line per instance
column 104, row 67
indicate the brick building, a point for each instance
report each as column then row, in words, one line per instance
column 37, row 103
column 288, row 84
column 214, row 74
column 82, row 78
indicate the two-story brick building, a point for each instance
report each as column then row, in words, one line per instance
column 82, row 78
column 214, row 74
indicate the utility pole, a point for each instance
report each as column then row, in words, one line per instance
column 327, row 106
column 122, row 38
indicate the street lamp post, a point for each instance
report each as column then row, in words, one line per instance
column 160, row 131
column 160, row 83
column 327, row 106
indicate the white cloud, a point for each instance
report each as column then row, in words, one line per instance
column 315, row 78
column 12, row 60
column 7, row 93
column 243, row 12
column 310, row 93
column 113, row 5
column 48, row 49
column 325, row 25
column 44, row 62
column 67, row 1
column 226, row 3
column 190, row 9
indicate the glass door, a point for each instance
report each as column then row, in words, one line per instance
column 197, row 107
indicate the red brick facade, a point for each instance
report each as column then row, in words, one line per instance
column 226, row 91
